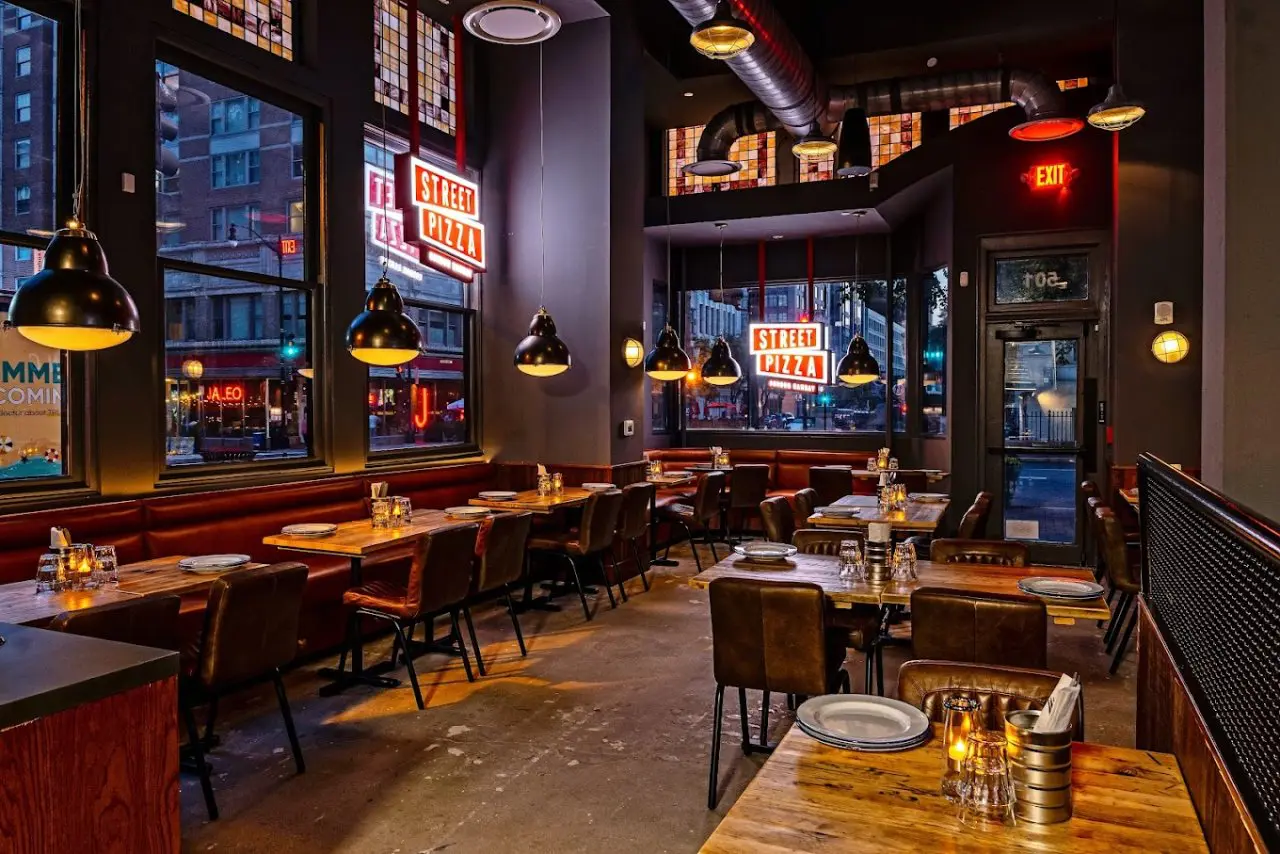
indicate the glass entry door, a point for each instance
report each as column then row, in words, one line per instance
column 1040, row 401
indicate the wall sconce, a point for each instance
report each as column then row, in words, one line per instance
column 193, row 369
column 632, row 352
column 1169, row 346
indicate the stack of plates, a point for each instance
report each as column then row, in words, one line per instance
column 598, row 487
column 498, row 495
column 467, row 512
column 309, row 529
column 766, row 551
column 863, row 722
column 212, row 563
column 837, row 512
column 1060, row 588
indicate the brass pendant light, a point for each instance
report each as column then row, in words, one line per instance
column 722, row 36
column 858, row 366
column 667, row 361
column 853, row 159
column 1117, row 111
column 721, row 369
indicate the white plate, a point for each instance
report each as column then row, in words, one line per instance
column 598, row 487
column 834, row 512
column 498, row 495
column 212, row 563
column 309, row 529
column 861, row 747
column 863, row 719
column 467, row 512
column 929, row 497
column 766, row 551
column 1060, row 588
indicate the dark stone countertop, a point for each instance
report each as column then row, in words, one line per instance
column 43, row 672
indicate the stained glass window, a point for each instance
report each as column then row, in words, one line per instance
column 267, row 24
column 757, row 154
column 435, row 65
column 964, row 115
column 817, row 168
column 1073, row 83
column 892, row 136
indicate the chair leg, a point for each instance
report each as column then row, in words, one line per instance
column 515, row 621
column 288, row 721
column 1113, row 631
column 577, row 582
column 475, row 644
column 608, row 585
column 408, row 663
column 845, row 683
column 764, row 720
column 869, row 679
column 617, row 574
column 715, row 748
column 462, row 647
column 640, row 563
column 1111, row 594
column 1124, row 642
column 746, row 725
column 197, row 750
column 209, row 718
column 352, row 624
column 693, row 546
column 880, row 669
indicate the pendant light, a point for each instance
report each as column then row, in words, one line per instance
column 858, row 366
column 1117, row 111
column 722, row 36
column 541, row 353
column 721, row 369
column 383, row 334
column 667, row 361
column 813, row 144
column 853, row 158
column 73, row 303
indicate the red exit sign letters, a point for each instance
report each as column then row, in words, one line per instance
column 1050, row 176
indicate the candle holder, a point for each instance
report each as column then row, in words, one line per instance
column 404, row 507
column 544, row 485
column 961, row 719
column 1040, row 766
column 381, row 513
column 557, row 483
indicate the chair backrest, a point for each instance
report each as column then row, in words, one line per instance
column 779, row 523
column 823, row 541
column 914, row 481
column 749, row 486
column 146, row 621
column 634, row 520
column 980, row 552
column 831, row 483
column 440, row 574
column 503, row 558
column 953, row 625
column 599, row 521
column 1114, row 552
column 806, row 499
column 974, row 523
column 998, row 690
column 1088, row 489
column 251, row 623
column 706, row 501
column 770, row 636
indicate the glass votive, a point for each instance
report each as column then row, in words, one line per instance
column 47, row 573
column 81, row 567
column 557, row 483
column 961, row 718
column 986, row 789
column 851, row 566
column 403, row 507
column 381, row 511
column 893, row 463
column 106, row 565
column 544, row 484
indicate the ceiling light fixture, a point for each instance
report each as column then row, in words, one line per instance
column 541, row 353
column 1047, row 129
column 858, row 366
column 721, row 369
column 688, row 94
column 722, row 36
column 512, row 22
column 853, row 159
column 73, row 303
column 814, row 144
column 667, row 361
column 1117, row 111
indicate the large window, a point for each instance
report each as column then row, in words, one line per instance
column 267, row 24
column 435, row 65
column 237, row 360
column 758, row 154
column 935, row 321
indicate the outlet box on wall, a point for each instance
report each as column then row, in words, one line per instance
column 627, row 428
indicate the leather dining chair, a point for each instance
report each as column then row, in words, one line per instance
column 973, row 525
column 439, row 580
column 952, row 625
column 927, row 685
column 830, row 483
column 747, row 488
column 806, row 500
column 778, row 520
column 768, row 636
column 250, row 632
column 146, row 621
column 979, row 552
column 590, row 541
column 499, row 564
column 701, row 516
column 824, row 541
column 1123, row 571
column 633, row 526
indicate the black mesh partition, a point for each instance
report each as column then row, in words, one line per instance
column 1211, row 580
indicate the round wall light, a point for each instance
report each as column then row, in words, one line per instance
column 1170, row 346
column 632, row 352
column 193, row 369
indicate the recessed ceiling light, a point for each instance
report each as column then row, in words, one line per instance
column 778, row 236
column 512, row 22
column 688, row 94
column 931, row 61
column 846, row 213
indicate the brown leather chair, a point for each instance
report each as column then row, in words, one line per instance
column 146, row 621
column 1124, row 572
column 999, row 690
column 591, row 541
column 979, row 552
column 983, row 629
column 633, row 527
column 973, row 525
column 830, row 483
column 859, row 625
column 439, row 580
column 500, row 564
column 250, row 632
column 769, row 636
column 824, row 541
column 806, row 500
column 701, row 516
column 747, row 488
column 779, row 522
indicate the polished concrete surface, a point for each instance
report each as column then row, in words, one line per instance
column 597, row 741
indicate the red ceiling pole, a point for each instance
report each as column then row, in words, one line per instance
column 808, row 292
column 459, row 101
column 760, row 260
column 415, row 133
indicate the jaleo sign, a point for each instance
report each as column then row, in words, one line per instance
column 441, row 216
column 791, row 351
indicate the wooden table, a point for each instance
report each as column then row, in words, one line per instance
column 1131, row 496
column 669, row 481
column 931, row 475
column 812, row 798
column 20, row 604
column 532, row 502
column 919, row 517
column 824, row 570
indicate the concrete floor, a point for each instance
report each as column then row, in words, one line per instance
column 597, row 741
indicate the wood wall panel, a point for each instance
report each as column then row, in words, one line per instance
column 1170, row 722
column 100, row 778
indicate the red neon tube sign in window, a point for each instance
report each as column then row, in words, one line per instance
column 421, row 407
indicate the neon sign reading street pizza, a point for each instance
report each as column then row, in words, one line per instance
column 441, row 214
column 791, row 351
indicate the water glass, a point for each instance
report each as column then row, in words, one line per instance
column 402, row 509
column 557, row 483
column 381, row 513
column 544, row 484
column 986, row 789
column 106, row 565
column 893, row 463
column 904, row 562
column 47, row 580
column 851, row 566
column 872, row 465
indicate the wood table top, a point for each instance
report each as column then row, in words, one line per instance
column 1131, row 496
column 809, row 797
column 530, row 501
column 919, row 515
column 19, row 603
column 932, row 475
column 361, row 539
column 671, row 479
column 824, row 571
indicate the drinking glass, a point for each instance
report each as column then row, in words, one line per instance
column 986, row 789
column 961, row 718
column 557, row 483
column 908, row 553
column 871, row 464
column 80, row 570
column 107, row 565
column 893, row 463
column 381, row 512
column 544, row 484
column 851, row 566
column 47, row 574
column 406, row 509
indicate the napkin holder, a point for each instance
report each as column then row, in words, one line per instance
column 1040, row 767
column 878, row 548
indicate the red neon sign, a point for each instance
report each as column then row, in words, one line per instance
column 1050, row 176
column 814, row 367
column 441, row 215
column 224, row 393
column 785, row 337
column 288, row 246
column 421, row 407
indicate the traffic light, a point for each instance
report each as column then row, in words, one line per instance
column 166, row 125
column 290, row 350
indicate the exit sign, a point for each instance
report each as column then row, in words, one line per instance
column 1050, row 176
column 290, row 246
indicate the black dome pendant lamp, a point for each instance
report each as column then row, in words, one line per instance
column 541, row 353
column 858, row 366
column 721, row 369
column 73, row 303
column 667, row 361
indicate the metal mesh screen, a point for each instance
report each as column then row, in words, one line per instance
column 1211, row 577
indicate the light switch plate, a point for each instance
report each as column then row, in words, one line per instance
column 127, row 182
column 628, row 428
